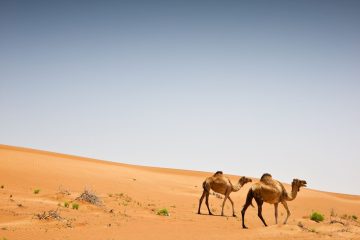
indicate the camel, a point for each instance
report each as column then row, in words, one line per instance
column 273, row 192
column 221, row 184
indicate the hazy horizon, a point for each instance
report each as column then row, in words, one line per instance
column 245, row 87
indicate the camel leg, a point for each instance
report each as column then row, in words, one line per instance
column 249, row 198
column 207, row 202
column 201, row 200
column 232, row 203
column 260, row 203
column 223, row 204
column 276, row 212
column 287, row 211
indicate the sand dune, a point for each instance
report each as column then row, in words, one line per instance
column 131, row 196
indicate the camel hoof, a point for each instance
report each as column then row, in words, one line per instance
column 245, row 227
column 234, row 215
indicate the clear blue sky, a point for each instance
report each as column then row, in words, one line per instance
column 246, row 87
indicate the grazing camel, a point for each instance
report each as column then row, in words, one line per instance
column 273, row 192
column 221, row 184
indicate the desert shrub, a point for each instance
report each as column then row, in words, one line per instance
column 36, row 191
column 89, row 197
column 354, row 217
column 66, row 204
column 75, row 206
column 52, row 214
column 163, row 212
column 317, row 217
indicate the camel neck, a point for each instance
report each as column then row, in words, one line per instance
column 294, row 191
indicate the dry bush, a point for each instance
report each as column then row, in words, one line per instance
column 52, row 214
column 64, row 191
column 90, row 197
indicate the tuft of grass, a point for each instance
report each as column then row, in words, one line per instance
column 354, row 217
column 75, row 206
column 163, row 212
column 317, row 217
column 36, row 191
column 66, row 204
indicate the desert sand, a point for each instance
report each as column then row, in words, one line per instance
column 132, row 195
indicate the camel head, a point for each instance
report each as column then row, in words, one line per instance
column 297, row 183
column 244, row 180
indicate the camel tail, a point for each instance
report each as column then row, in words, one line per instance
column 249, row 198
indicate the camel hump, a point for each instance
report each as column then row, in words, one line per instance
column 218, row 173
column 265, row 177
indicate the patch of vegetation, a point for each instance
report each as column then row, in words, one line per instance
column 36, row 191
column 90, row 197
column 66, row 204
column 64, row 191
column 303, row 227
column 317, row 217
column 354, row 217
column 332, row 213
column 52, row 214
column 163, row 212
column 75, row 206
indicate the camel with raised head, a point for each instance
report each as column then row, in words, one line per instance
column 273, row 192
column 221, row 184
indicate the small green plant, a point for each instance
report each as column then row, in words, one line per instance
column 163, row 212
column 317, row 217
column 75, row 206
column 36, row 191
column 66, row 204
column 354, row 217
